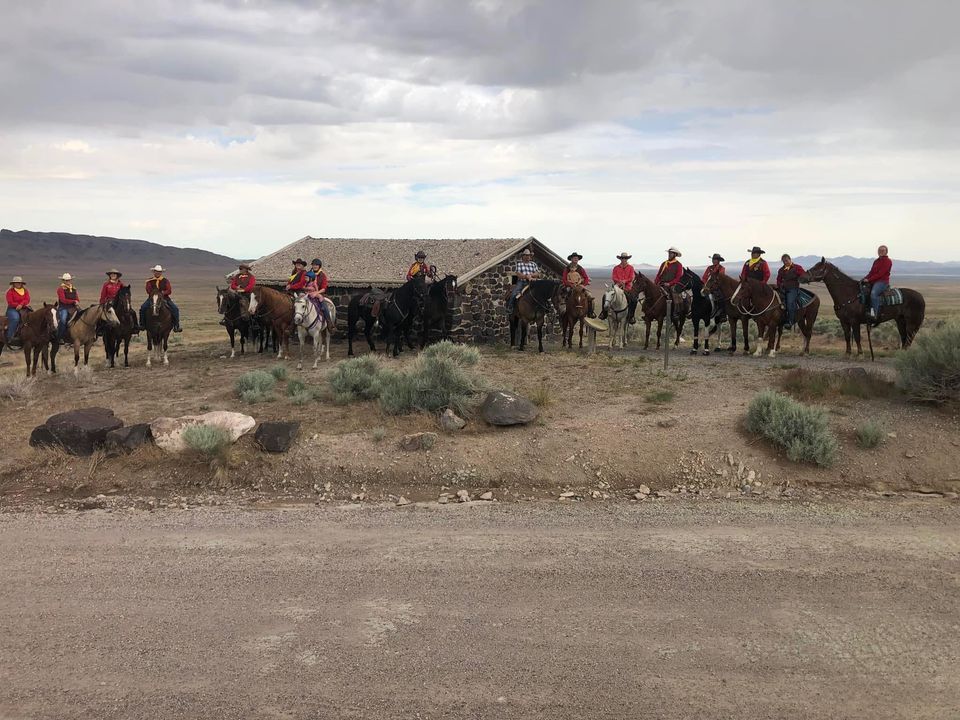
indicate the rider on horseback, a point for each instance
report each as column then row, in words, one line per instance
column 298, row 279
column 669, row 276
column 18, row 301
column 622, row 275
column 879, row 280
column 756, row 267
column 788, row 282
column 527, row 270
column 243, row 284
column 111, row 288
column 68, row 304
column 316, row 288
column 575, row 275
column 158, row 283
column 420, row 266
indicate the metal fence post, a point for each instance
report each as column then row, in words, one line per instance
column 669, row 323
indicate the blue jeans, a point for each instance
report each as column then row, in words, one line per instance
column 875, row 292
column 62, row 315
column 174, row 311
column 13, row 320
column 515, row 293
column 791, row 296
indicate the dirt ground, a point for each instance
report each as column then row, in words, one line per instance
column 681, row 609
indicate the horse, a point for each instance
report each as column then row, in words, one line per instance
column 365, row 306
column 850, row 310
column 159, row 323
column 654, row 307
column 276, row 308
column 309, row 320
column 230, row 306
column 726, row 286
column 755, row 298
column 398, row 311
column 38, row 328
column 262, row 334
column 615, row 301
column 575, row 310
column 122, row 305
column 82, row 332
column 702, row 310
column 532, row 306
column 440, row 297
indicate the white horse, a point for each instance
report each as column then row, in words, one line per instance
column 309, row 320
column 615, row 302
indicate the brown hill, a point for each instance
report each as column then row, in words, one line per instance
column 51, row 253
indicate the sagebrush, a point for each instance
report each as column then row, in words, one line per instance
column 803, row 431
column 929, row 370
column 210, row 442
column 355, row 379
column 18, row 388
column 255, row 386
column 852, row 382
column 869, row 434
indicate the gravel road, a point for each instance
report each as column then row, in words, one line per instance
column 664, row 610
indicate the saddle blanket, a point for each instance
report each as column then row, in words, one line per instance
column 891, row 296
column 803, row 299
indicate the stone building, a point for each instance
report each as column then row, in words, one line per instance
column 484, row 270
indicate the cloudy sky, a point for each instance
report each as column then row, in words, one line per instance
column 807, row 126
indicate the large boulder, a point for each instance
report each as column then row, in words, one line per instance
column 505, row 408
column 277, row 437
column 168, row 432
column 127, row 439
column 79, row 432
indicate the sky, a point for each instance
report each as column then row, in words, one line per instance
column 804, row 126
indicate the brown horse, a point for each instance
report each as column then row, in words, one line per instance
column 533, row 306
column 114, row 337
column 845, row 293
column 158, row 325
column 38, row 329
column 82, row 332
column 726, row 286
column 654, row 307
column 575, row 310
column 276, row 309
column 755, row 298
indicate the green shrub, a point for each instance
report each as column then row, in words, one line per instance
column 258, row 381
column 802, row 431
column 541, row 396
column 929, row 371
column 210, row 442
column 304, row 397
column 462, row 355
column 355, row 379
column 279, row 372
column 378, row 434
column 869, row 434
column 252, row 397
column 660, row 396
column 295, row 387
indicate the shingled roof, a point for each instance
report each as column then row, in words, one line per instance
column 362, row 262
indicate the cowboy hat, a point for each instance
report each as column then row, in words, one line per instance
column 157, row 268
column 573, row 255
column 717, row 256
column 420, row 254
column 300, row 261
column 66, row 276
column 527, row 251
column 113, row 271
column 674, row 250
column 756, row 249
column 624, row 256
column 16, row 279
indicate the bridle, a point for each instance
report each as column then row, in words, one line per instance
column 773, row 298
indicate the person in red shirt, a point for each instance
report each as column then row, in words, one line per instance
column 669, row 276
column 243, row 283
column 622, row 275
column 715, row 268
column 158, row 283
column 756, row 267
column 575, row 275
column 68, row 303
column 421, row 266
column 788, row 282
column 298, row 279
column 18, row 301
column 879, row 276
column 112, row 286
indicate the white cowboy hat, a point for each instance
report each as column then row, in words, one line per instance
column 624, row 256
column 674, row 251
column 66, row 276
column 16, row 279
column 157, row 268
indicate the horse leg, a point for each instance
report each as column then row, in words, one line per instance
column 856, row 338
column 581, row 334
column 659, row 331
column 646, row 341
column 302, row 337
column 231, row 331
column 126, row 351
column 524, row 329
column 696, row 336
column 540, row 334
column 902, row 327
column 26, row 356
column 513, row 331
column 86, row 353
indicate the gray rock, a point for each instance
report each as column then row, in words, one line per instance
column 277, row 437
column 643, row 490
column 505, row 408
column 401, row 501
column 125, row 440
column 78, row 432
column 487, row 496
column 418, row 441
column 168, row 432
column 451, row 422
column 463, row 496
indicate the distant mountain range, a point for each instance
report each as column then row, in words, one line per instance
column 851, row 265
column 27, row 252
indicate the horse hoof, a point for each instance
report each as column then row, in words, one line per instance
column 705, row 353
column 693, row 351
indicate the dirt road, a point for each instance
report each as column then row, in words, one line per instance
column 667, row 610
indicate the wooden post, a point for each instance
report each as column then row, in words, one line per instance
column 667, row 340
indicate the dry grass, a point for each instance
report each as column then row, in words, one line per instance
column 18, row 388
column 816, row 384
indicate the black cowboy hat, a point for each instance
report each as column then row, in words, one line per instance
column 317, row 261
column 717, row 256
column 576, row 255
column 300, row 261
column 420, row 254
column 756, row 249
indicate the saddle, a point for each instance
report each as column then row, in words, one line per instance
column 374, row 300
column 804, row 298
column 890, row 296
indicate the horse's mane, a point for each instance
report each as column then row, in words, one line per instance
column 543, row 283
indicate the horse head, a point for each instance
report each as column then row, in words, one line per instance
column 419, row 284
column 450, row 287
column 221, row 294
column 51, row 311
column 712, row 283
column 254, row 301
column 299, row 309
column 108, row 313
column 817, row 273
column 156, row 302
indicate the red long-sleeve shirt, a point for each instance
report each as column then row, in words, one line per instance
column 160, row 284
column 880, row 272
column 67, row 297
column 15, row 299
column 718, row 269
column 298, row 281
column 669, row 274
column 760, row 271
column 624, row 276
column 581, row 271
column 243, row 283
column 789, row 278
column 109, row 291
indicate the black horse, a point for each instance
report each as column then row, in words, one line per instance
column 113, row 336
column 436, row 308
column 399, row 310
column 230, row 306
column 702, row 310
column 531, row 307
column 365, row 306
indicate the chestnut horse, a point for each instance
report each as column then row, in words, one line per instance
column 726, row 286
column 575, row 310
column 755, row 298
column 654, row 307
column 275, row 309
column 533, row 306
column 38, row 328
